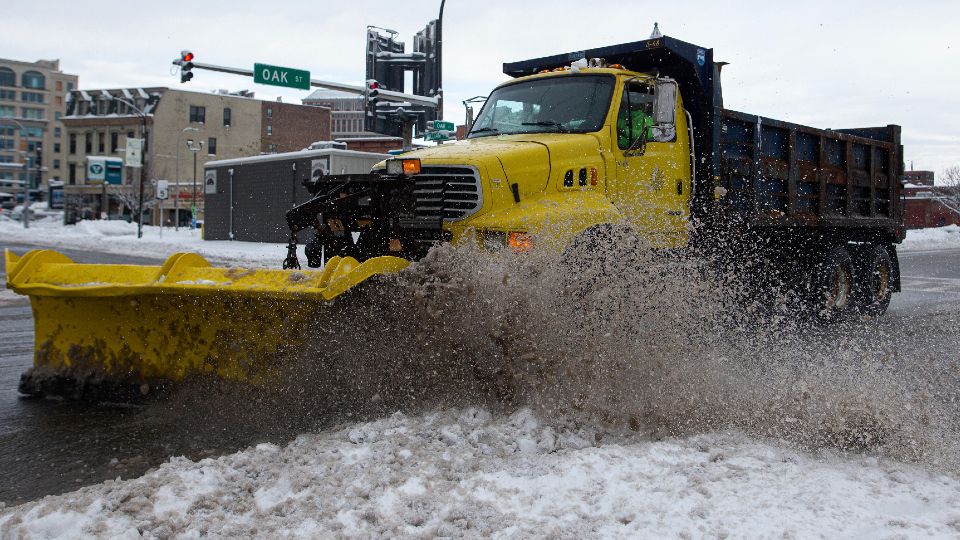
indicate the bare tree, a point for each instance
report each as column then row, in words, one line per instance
column 950, row 195
column 128, row 197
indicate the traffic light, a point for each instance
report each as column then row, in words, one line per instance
column 372, row 95
column 186, row 66
column 39, row 151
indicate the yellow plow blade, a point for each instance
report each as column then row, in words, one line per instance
column 126, row 324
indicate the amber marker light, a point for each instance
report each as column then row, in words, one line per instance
column 519, row 242
column 411, row 166
column 593, row 176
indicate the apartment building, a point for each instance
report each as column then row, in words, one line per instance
column 33, row 97
column 182, row 127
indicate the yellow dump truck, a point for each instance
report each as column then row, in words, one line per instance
column 631, row 134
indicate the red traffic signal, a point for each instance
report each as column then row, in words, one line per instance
column 186, row 56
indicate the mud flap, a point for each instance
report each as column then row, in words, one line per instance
column 136, row 325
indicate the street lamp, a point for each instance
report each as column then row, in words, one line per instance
column 194, row 148
column 176, row 200
column 143, row 168
column 25, row 214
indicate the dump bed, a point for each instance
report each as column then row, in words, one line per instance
column 775, row 173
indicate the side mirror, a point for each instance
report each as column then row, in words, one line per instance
column 665, row 103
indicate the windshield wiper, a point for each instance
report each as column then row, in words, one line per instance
column 483, row 129
column 557, row 125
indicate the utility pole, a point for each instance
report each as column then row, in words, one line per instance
column 194, row 148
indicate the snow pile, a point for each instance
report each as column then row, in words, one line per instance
column 116, row 236
column 466, row 472
column 932, row 238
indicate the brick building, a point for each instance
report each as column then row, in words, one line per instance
column 218, row 125
column 928, row 205
column 287, row 127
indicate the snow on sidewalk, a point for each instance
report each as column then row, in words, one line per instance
column 933, row 238
column 121, row 237
column 467, row 473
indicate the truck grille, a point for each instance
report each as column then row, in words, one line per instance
column 447, row 193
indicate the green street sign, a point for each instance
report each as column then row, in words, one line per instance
column 440, row 125
column 281, row 76
column 436, row 136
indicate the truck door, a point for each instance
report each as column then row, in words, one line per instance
column 652, row 185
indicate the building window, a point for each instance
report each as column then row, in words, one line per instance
column 198, row 115
column 100, row 146
column 269, row 129
column 32, row 131
column 272, row 148
column 269, row 112
column 6, row 111
column 56, row 147
column 72, row 174
column 7, row 129
column 69, row 87
column 33, row 79
column 114, row 142
column 59, row 86
column 73, row 143
column 31, row 113
column 56, row 164
column 56, row 132
column 58, row 100
column 8, row 94
column 226, row 116
column 7, row 77
column 212, row 146
column 57, row 115
column 88, row 143
column 31, row 97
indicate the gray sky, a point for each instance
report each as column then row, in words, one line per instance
column 821, row 63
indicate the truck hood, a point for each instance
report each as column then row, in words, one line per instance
column 525, row 159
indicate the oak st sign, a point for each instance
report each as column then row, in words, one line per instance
column 281, row 76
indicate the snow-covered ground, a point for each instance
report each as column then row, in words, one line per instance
column 468, row 473
column 933, row 238
column 121, row 237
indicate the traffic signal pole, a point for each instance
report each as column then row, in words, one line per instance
column 386, row 95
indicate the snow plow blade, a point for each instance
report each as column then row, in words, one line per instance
column 120, row 331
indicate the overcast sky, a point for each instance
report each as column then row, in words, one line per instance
column 822, row 63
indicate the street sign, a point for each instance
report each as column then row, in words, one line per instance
column 134, row 152
column 437, row 136
column 163, row 190
column 210, row 182
column 102, row 170
column 96, row 170
column 281, row 76
column 440, row 125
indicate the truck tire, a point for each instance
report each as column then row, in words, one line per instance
column 831, row 286
column 874, row 279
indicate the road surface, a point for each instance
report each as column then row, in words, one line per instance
column 50, row 447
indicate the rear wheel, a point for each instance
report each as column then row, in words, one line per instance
column 873, row 280
column 830, row 291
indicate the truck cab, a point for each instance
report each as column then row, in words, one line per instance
column 555, row 153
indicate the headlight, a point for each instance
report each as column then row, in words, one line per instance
column 493, row 240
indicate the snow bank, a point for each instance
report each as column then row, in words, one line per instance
column 933, row 238
column 469, row 473
column 121, row 237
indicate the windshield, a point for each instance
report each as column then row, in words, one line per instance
column 570, row 104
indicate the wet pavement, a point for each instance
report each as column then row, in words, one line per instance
column 50, row 447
